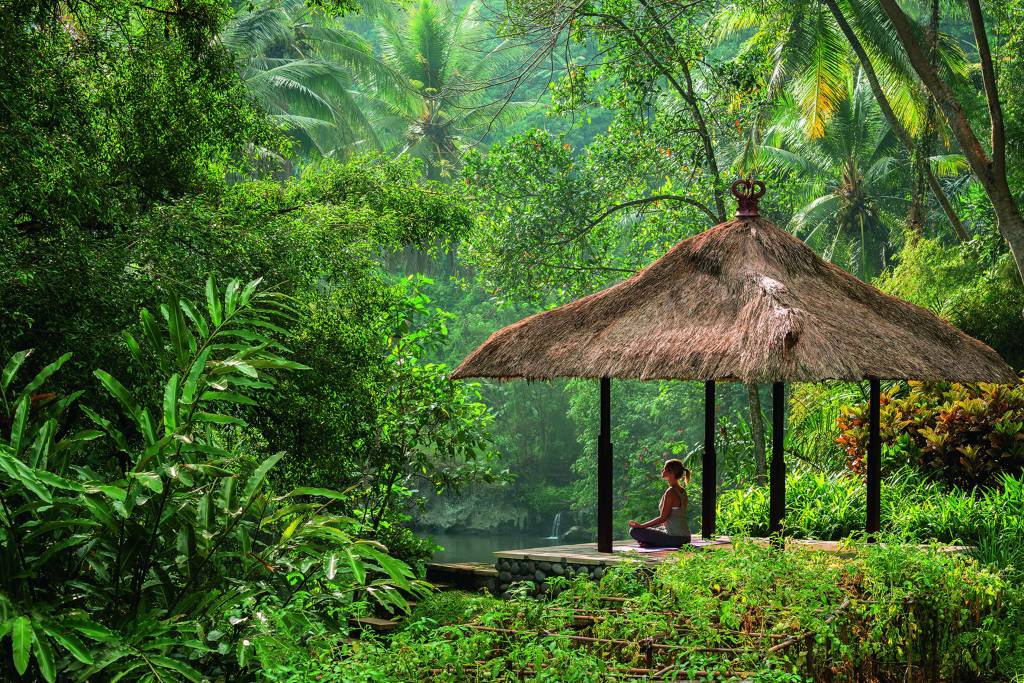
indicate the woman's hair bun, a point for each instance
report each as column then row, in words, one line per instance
column 677, row 468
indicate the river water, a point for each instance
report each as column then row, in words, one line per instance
column 480, row 548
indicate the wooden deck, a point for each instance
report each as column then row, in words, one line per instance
column 587, row 553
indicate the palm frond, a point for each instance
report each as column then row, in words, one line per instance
column 949, row 165
column 822, row 73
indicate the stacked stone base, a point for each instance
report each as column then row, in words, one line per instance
column 537, row 572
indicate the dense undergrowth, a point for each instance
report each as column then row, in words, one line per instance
column 914, row 508
column 891, row 612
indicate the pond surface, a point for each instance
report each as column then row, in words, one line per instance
column 480, row 548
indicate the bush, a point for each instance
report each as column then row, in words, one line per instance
column 832, row 507
column 897, row 612
column 138, row 548
column 963, row 434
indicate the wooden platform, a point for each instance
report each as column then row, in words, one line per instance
column 587, row 553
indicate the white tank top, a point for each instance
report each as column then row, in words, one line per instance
column 676, row 525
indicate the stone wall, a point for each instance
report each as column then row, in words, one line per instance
column 510, row 571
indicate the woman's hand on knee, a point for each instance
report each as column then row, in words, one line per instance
column 634, row 524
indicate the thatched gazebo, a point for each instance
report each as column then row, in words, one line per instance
column 743, row 301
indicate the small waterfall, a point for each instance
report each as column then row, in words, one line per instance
column 556, row 526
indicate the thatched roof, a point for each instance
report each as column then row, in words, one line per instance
column 742, row 301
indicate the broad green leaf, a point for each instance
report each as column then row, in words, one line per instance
column 152, row 331
column 171, row 404
column 191, row 387
column 226, row 499
column 290, row 529
column 119, row 392
column 77, row 438
column 123, row 673
column 107, row 426
column 151, row 480
column 243, row 653
column 178, row 331
column 218, row 418
column 44, row 656
column 323, row 493
column 267, row 326
column 196, row 317
column 249, row 289
column 147, row 427
column 98, row 508
column 238, row 365
column 22, row 473
column 178, row 666
column 12, row 367
column 70, row 642
column 213, row 301
column 257, row 477
column 18, row 426
column 57, row 481
column 92, row 630
column 39, row 452
column 357, row 566
column 397, row 571
column 230, row 396
column 44, row 375
column 231, row 297
column 21, row 642
column 133, row 346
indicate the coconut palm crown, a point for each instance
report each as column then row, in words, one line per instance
column 453, row 69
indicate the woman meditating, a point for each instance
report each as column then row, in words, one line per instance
column 673, row 512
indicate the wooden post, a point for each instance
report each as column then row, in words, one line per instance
column 709, row 473
column 604, row 471
column 777, row 474
column 874, row 511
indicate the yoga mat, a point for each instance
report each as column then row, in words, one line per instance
column 698, row 542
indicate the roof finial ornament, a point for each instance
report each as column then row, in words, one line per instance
column 751, row 191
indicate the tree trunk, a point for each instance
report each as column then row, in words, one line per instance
column 925, row 147
column 1011, row 226
column 757, row 434
column 991, row 172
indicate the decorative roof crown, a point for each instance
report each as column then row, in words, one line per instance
column 747, row 192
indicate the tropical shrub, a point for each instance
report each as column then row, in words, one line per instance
column 964, row 435
column 914, row 508
column 149, row 545
column 880, row 610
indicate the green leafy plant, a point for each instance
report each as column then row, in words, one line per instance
column 149, row 546
column 720, row 614
column 965, row 435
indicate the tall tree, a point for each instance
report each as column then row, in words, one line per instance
column 310, row 73
column 853, row 180
column 654, row 54
column 988, row 165
column 453, row 68
column 811, row 44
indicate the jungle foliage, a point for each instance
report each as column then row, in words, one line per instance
column 211, row 488
column 889, row 611
column 150, row 545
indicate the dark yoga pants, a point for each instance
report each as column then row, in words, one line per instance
column 652, row 538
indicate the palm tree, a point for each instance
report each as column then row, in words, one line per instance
column 309, row 73
column 452, row 67
column 812, row 58
column 853, row 179
column 816, row 45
